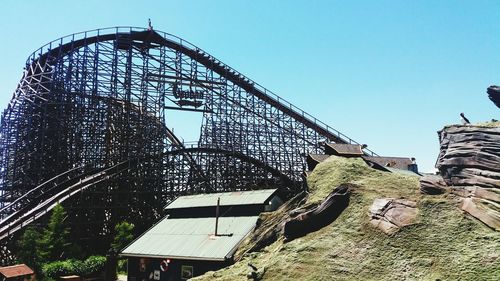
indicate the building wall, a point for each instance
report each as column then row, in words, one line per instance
column 145, row 269
column 273, row 204
column 19, row 278
column 224, row 211
column 227, row 211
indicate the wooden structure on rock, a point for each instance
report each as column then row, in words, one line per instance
column 388, row 164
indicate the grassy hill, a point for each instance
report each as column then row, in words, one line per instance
column 443, row 244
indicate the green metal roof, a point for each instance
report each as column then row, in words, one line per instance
column 192, row 238
column 226, row 199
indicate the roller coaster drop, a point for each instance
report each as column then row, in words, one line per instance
column 87, row 126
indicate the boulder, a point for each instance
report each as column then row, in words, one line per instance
column 433, row 184
column 479, row 208
column 389, row 214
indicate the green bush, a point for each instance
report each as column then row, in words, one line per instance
column 122, row 266
column 92, row 265
column 58, row 268
column 79, row 268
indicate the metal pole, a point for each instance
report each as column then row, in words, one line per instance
column 217, row 215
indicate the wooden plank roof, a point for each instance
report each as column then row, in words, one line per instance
column 392, row 162
column 16, row 270
column 318, row 157
column 343, row 149
column 314, row 159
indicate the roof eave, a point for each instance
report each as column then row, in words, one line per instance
column 134, row 255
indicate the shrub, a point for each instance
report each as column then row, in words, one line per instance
column 122, row 266
column 79, row 268
column 92, row 265
column 58, row 268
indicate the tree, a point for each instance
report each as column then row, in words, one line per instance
column 29, row 249
column 124, row 235
column 55, row 243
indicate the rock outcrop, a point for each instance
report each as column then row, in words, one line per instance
column 494, row 95
column 470, row 155
column 295, row 219
column 270, row 225
column 302, row 222
column 389, row 214
column 469, row 166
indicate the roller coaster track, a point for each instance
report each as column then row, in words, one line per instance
column 100, row 97
column 28, row 208
column 30, row 198
column 40, row 200
column 173, row 42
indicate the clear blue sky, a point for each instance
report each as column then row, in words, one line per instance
column 386, row 73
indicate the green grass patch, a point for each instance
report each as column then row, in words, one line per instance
column 488, row 124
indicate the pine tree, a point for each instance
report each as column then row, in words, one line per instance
column 124, row 235
column 54, row 242
column 29, row 249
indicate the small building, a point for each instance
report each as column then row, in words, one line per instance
column 400, row 165
column 344, row 149
column 192, row 240
column 236, row 203
column 18, row 272
column 313, row 160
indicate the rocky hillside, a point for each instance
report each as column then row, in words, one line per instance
column 388, row 231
